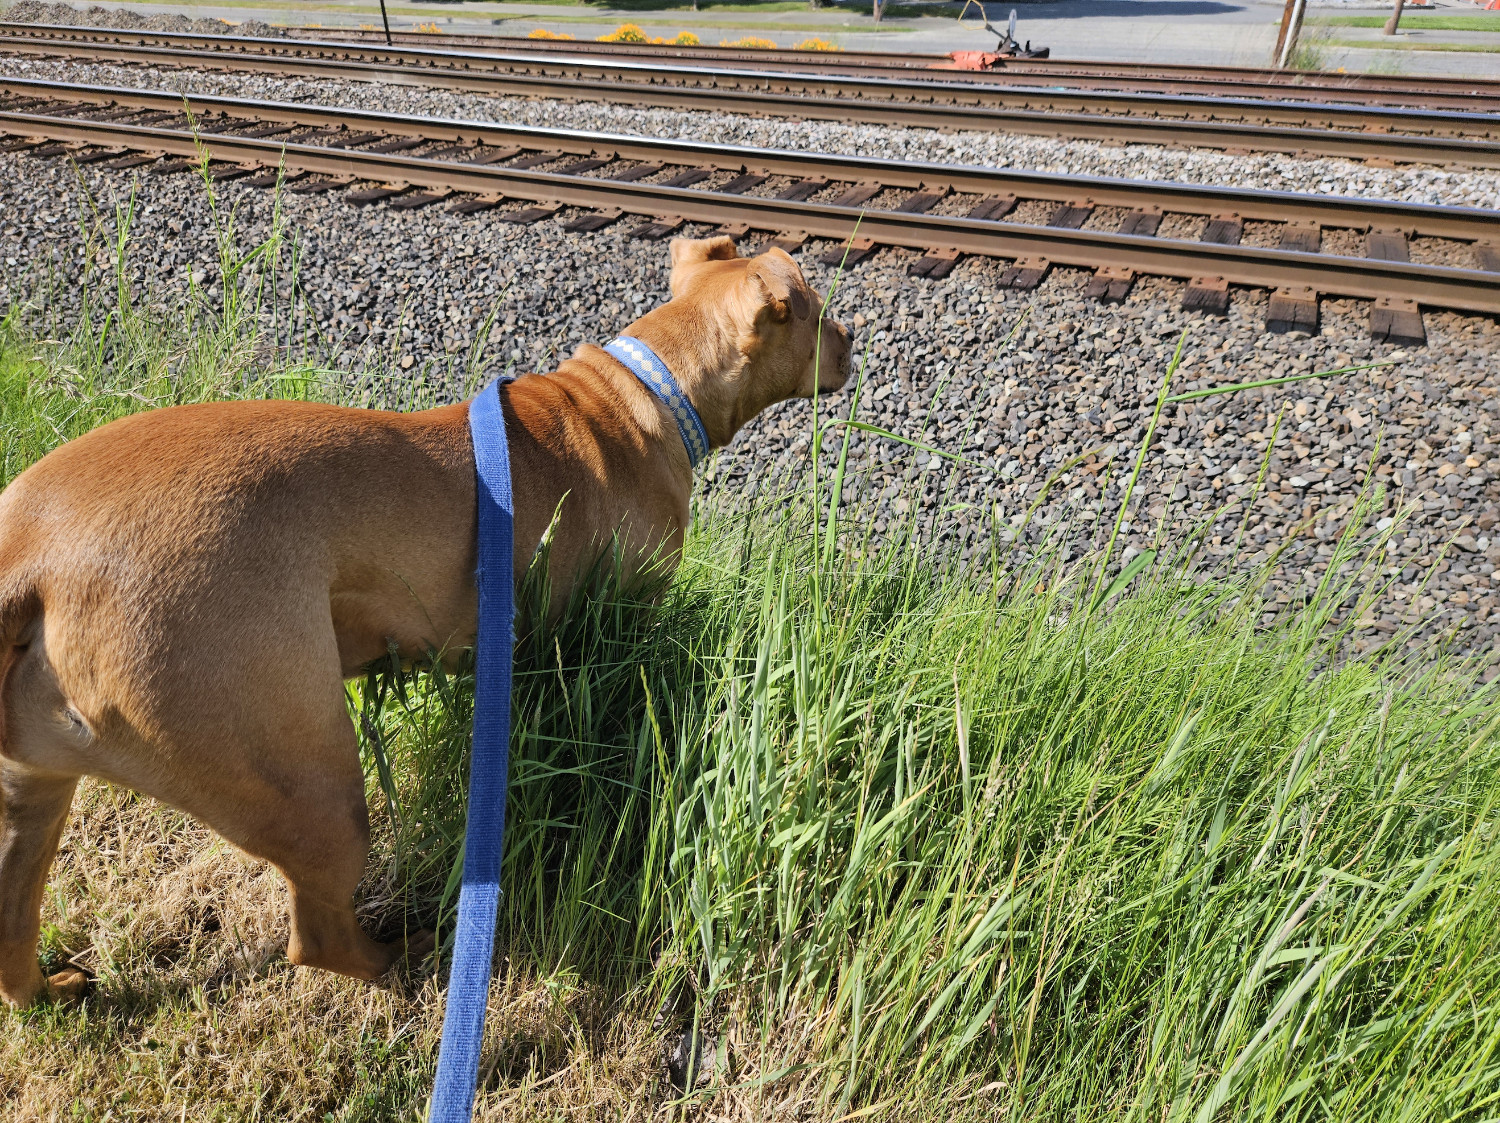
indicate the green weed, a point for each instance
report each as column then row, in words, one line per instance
column 1418, row 22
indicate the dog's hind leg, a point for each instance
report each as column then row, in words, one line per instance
column 33, row 809
column 40, row 735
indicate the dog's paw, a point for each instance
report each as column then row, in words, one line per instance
column 419, row 945
column 68, row 985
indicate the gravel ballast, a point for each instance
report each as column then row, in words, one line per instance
column 1269, row 171
column 65, row 15
column 411, row 291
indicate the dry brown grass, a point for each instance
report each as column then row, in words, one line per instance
column 196, row 1014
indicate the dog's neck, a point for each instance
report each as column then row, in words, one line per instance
column 707, row 365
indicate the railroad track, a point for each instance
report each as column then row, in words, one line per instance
column 1383, row 134
column 1034, row 220
column 1364, row 89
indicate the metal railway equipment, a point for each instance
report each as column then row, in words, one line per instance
column 1472, row 94
column 860, row 204
column 1381, row 133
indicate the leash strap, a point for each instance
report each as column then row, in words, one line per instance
column 646, row 365
column 478, row 898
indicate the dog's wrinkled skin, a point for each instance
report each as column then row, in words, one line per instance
column 184, row 592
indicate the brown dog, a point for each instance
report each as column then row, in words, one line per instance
column 184, row 592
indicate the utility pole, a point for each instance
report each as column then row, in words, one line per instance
column 1395, row 20
column 1291, row 26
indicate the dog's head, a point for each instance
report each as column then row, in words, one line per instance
column 745, row 333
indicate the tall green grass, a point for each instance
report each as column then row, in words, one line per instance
column 948, row 841
column 894, row 837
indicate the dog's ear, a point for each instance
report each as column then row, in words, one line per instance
column 695, row 251
column 783, row 292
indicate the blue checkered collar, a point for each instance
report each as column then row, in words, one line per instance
column 646, row 365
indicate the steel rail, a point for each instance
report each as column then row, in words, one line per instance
column 562, row 61
column 1434, row 286
column 1051, row 70
column 1364, row 89
column 1466, row 95
column 1461, row 223
column 1299, row 127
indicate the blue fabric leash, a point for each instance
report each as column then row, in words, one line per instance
column 489, row 764
column 646, row 365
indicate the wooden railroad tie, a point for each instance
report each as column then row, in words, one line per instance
column 98, row 155
column 397, row 144
column 1302, row 237
column 923, row 200
column 1224, row 230
column 353, row 140
column 857, row 194
column 1206, row 294
column 639, row 171
column 361, row 196
column 1025, row 274
column 136, row 159
column 992, row 208
column 494, row 156
column 797, row 192
column 476, row 203
column 535, row 160
column 223, row 172
column 268, row 130
column 265, row 178
column 578, row 167
column 421, row 199
column 687, row 177
column 1293, row 308
column 935, row 265
column 304, row 187
column 1394, row 320
column 848, row 252
column 1387, row 244
column 657, row 228
column 167, row 167
column 1110, row 283
column 1071, row 215
column 531, row 214
column 593, row 220
column 742, row 183
column 1142, row 223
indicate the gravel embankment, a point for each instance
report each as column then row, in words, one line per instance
column 1272, row 172
column 404, row 289
column 37, row 11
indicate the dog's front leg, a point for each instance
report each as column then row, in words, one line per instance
column 317, row 833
